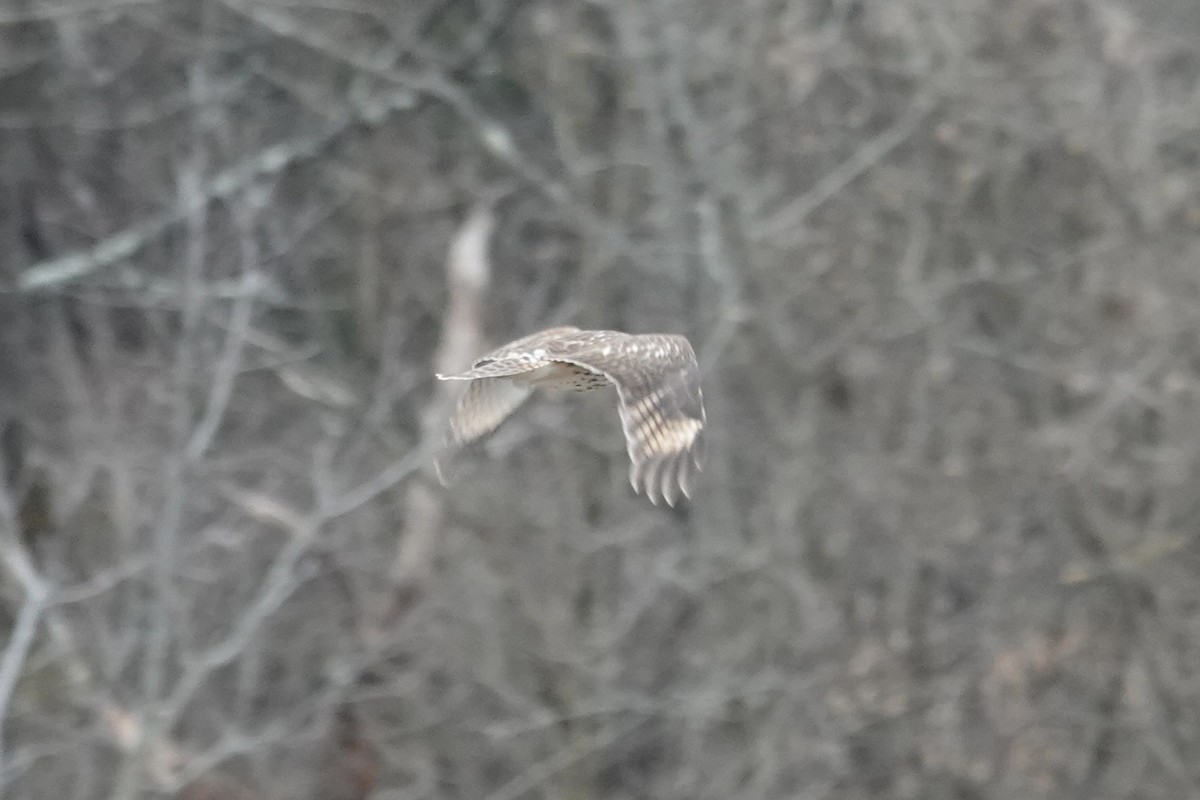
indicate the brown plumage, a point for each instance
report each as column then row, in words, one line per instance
column 658, row 395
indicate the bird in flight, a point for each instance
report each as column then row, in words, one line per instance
column 658, row 395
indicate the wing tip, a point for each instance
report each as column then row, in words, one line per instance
column 651, row 481
column 667, row 478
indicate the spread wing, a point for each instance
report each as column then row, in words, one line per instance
column 483, row 406
column 660, row 404
column 490, row 398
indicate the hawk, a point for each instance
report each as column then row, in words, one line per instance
column 658, row 395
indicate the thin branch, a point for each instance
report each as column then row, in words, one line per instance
column 48, row 11
column 221, row 187
column 791, row 217
column 381, row 482
column 279, row 584
column 227, row 369
column 544, row 770
column 16, row 559
column 12, row 663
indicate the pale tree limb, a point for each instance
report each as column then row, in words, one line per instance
column 468, row 273
column 16, row 560
column 12, row 662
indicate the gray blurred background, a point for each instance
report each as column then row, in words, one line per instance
column 941, row 264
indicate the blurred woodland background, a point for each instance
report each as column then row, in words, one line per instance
column 940, row 261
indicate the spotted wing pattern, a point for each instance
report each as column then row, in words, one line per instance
column 658, row 389
column 496, row 390
column 659, row 402
column 523, row 355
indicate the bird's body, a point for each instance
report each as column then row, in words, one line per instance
column 564, row 377
column 657, row 380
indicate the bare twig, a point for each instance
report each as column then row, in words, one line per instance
column 13, row 661
column 784, row 225
column 223, row 186
column 61, row 10
column 37, row 594
column 543, row 771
